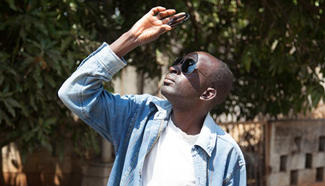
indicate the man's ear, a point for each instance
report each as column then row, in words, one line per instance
column 208, row 94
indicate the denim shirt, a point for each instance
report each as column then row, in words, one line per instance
column 133, row 124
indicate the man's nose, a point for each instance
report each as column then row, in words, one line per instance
column 174, row 69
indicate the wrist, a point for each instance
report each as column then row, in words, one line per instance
column 131, row 38
column 124, row 44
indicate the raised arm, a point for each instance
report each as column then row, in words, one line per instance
column 83, row 92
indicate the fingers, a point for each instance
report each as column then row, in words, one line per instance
column 175, row 18
column 166, row 13
column 156, row 10
column 165, row 28
column 179, row 15
column 167, row 18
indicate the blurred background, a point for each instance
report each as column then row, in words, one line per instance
column 276, row 111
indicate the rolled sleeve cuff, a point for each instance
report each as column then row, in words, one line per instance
column 109, row 60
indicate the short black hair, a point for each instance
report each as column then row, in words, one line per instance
column 222, row 81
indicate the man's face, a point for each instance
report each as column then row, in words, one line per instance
column 179, row 86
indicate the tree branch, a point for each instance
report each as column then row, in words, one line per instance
column 193, row 20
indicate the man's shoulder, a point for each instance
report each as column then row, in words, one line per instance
column 223, row 136
column 223, row 140
column 148, row 98
column 229, row 141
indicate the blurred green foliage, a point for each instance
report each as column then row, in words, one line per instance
column 275, row 49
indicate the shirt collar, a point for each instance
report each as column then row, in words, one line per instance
column 208, row 135
column 163, row 108
column 209, row 132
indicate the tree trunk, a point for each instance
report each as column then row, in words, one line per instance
column 1, row 171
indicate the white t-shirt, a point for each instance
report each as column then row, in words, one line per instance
column 170, row 161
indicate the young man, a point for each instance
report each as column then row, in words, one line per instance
column 159, row 142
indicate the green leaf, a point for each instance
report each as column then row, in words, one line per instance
column 247, row 60
column 5, row 117
column 316, row 95
column 50, row 80
column 10, row 108
column 1, row 79
column 13, row 103
column 50, row 121
column 66, row 43
column 12, row 4
column 47, row 145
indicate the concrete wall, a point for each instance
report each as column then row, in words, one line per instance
column 132, row 82
column 296, row 153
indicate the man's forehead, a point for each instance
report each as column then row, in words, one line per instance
column 192, row 55
column 200, row 56
column 206, row 62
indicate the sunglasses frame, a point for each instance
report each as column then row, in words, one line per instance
column 181, row 61
column 174, row 21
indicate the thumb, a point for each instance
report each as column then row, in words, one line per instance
column 165, row 28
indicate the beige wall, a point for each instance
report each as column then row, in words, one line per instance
column 296, row 154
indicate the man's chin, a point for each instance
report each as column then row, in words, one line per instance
column 170, row 93
column 166, row 91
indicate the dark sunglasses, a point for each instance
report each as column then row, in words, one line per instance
column 188, row 65
column 176, row 20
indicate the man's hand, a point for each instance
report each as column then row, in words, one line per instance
column 152, row 25
column 147, row 29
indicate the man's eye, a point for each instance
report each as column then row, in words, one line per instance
column 190, row 62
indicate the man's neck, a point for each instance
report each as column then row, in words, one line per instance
column 189, row 121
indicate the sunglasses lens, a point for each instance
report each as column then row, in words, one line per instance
column 188, row 66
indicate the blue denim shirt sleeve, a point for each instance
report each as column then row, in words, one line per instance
column 238, row 177
column 237, row 173
column 83, row 94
